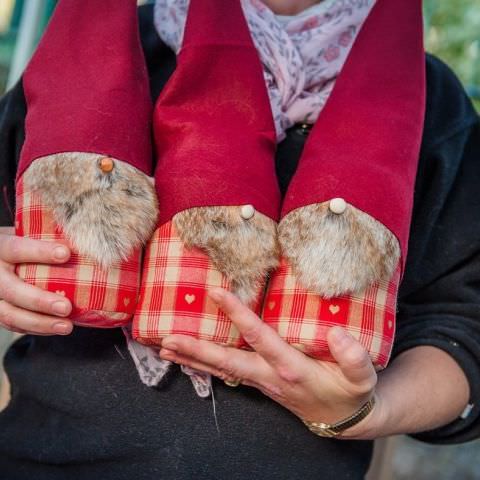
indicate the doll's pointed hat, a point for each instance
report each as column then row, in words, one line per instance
column 86, row 86
column 214, row 131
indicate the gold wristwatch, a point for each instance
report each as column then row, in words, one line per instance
column 333, row 429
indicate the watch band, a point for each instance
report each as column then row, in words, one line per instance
column 333, row 429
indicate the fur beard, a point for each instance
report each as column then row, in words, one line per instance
column 104, row 215
column 337, row 254
column 243, row 250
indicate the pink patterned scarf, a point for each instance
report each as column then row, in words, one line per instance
column 302, row 56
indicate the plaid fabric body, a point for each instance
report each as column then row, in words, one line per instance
column 102, row 298
column 173, row 294
column 302, row 317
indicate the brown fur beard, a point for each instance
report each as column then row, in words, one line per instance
column 104, row 215
column 243, row 250
column 337, row 254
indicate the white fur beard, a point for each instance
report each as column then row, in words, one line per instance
column 243, row 250
column 105, row 215
column 337, row 254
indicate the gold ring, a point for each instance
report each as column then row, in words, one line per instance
column 232, row 383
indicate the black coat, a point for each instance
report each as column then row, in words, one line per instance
column 79, row 410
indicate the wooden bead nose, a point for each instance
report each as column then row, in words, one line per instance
column 337, row 205
column 247, row 212
column 106, row 164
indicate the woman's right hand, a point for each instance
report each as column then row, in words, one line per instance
column 25, row 308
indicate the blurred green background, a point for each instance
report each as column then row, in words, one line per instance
column 452, row 31
column 10, row 18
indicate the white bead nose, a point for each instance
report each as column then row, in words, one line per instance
column 247, row 212
column 337, row 205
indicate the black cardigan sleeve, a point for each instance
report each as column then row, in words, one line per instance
column 12, row 134
column 439, row 298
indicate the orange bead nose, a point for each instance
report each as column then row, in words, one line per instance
column 106, row 164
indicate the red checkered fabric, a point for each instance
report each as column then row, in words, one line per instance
column 173, row 295
column 102, row 298
column 303, row 318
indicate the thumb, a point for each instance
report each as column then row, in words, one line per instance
column 351, row 356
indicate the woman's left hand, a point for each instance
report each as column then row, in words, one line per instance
column 311, row 389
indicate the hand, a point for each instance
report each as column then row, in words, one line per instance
column 25, row 308
column 311, row 389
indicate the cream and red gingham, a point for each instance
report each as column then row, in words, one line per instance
column 173, row 294
column 103, row 298
column 302, row 317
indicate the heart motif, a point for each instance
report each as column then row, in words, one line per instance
column 271, row 305
column 390, row 324
column 126, row 301
column 189, row 298
column 60, row 292
column 334, row 309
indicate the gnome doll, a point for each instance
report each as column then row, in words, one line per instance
column 346, row 215
column 215, row 179
column 83, row 173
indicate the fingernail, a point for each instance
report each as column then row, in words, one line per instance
column 61, row 328
column 170, row 345
column 60, row 253
column 60, row 308
column 167, row 354
column 339, row 335
column 216, row 294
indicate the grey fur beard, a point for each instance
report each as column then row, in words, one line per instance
column 245, row 251
column 105, row 216
column 334, row 254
